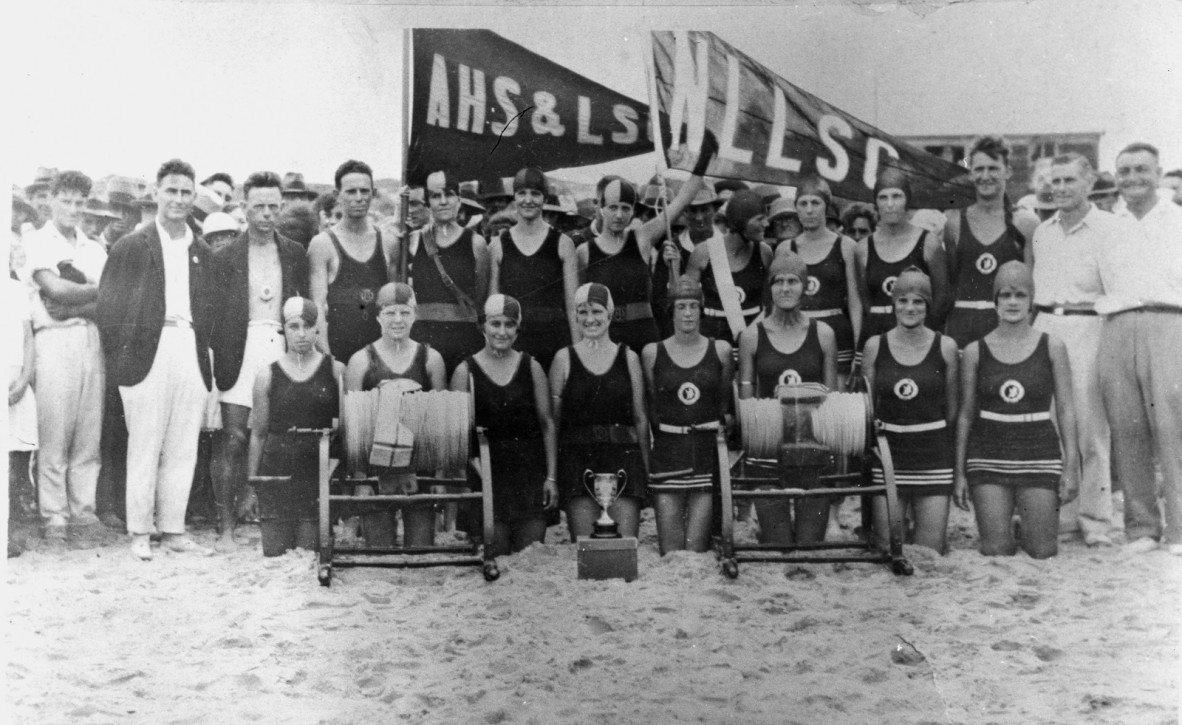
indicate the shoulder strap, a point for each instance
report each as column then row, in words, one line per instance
column 725, row 283
column 427, row 236
column 335, row 241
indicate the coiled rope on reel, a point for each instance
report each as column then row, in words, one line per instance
column 761, row 423
column 840, row 423
column 438, row 420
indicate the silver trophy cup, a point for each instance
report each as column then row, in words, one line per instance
column 605, row 488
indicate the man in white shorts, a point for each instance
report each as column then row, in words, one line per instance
column 253, row 276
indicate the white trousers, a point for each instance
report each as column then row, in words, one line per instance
column 1091, row 512
column 164, row 415
column 69, row 421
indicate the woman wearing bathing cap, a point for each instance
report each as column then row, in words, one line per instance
column 621, row 255
column 449, row 273
column 831, row 292
column 512, row 399
column 787, row 348
column 1007, row 450
column 536, row 264
column 912, row 374
column 688, row 377
column 299, row 390
column 895, row 245
column 597, row 393
column 733, row 268
column 396, row 356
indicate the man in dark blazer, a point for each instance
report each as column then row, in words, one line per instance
column 155, row 319
column 253, row 276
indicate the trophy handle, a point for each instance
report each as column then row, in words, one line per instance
column 587, row 476
column 623, row 476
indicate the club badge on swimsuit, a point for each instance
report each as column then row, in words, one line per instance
column 366, row 297
column 1012, row 391
column 813, row 286
column 986, row 263
column 688, row 393
column 789, row 377
column 906, row 389
column 888, row 284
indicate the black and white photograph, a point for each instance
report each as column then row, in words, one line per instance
column 541, row 363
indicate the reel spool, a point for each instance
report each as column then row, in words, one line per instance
column 439, row 422
column 840, row 422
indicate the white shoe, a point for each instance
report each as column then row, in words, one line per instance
column 1142, row 545
column 141, row 548
column 185, row 545
column 1097, row 540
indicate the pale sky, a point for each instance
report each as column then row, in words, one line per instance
column 301, row 86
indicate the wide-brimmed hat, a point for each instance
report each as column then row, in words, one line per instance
column 1105, row 186
column 20, row 204
column 148, row 200
column 651, row 196
column 217, row 222
column 1034, row 202
column 468, row 199
column 122, row 192
column 295, row 187
column 499, row 188
column 782, row 207
column 552, row 204
column 41, row 180
column 705, row 196
column 98, row 208
column 767, row 193
column 587, row 209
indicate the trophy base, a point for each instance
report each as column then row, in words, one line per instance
column 608, row 558
column 605, row 531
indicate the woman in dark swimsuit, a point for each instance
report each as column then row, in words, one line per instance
column 300, row 390
column 598, row 400
column 787, row 348
column 512, row 401
column 396, row 356
column 688, row 379
column 895, row 245
column 1009, row 456
column 912, row 372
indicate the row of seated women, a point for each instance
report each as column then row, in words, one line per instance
column 978, row 430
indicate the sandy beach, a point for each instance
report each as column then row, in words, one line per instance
column 1091, row 636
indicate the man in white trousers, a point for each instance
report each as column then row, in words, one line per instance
column 155, row 317
column 66, row 266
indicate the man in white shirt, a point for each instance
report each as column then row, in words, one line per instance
column 156, row 317
column 1139, row 345
column 1065, row 255
column 65, row 266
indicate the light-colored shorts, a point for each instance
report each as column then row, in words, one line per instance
column 264, row 345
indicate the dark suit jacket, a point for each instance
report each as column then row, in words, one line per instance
column 131, row 304
column 232, row 303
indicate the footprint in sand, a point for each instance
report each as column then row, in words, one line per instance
column 1047, row 654
column 722, row 596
